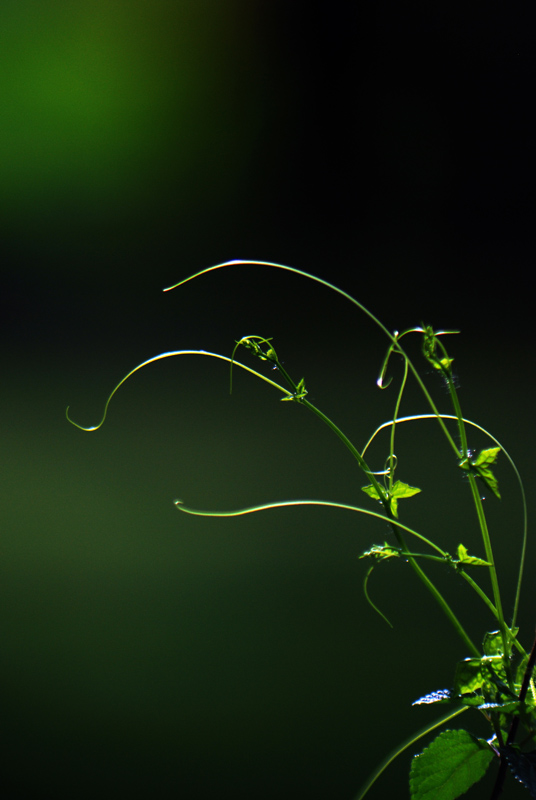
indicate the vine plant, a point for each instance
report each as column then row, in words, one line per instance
column 496, row 679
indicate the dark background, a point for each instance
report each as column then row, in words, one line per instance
column 386, row 147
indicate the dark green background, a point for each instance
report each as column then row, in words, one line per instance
column 387, row 148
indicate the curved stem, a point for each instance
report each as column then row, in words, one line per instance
column 196, row 512
column 396, row 530
column 489, row 557
column 483, row 596
column 346, row 441
column 416, row 417
column 171, row 354
column 393, row 428
column 443, row 604
column 397, row 347
column 445, row 366
column 404, row 746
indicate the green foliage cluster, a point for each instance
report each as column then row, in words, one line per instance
column 496, row 679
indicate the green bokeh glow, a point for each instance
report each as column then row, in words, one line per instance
column 106, row 104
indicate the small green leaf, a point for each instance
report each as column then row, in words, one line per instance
column 400, row 491
column 468, row 676
column 299, row 394
column 487, row 457
column 472, row 700
column 430, row 346
column 462, row 552
column 372, row 492
column 487, row 476
column 483, row 463
column 452, row 763
column 465, row 558
column 505, row 708
column 481, row 467
column 439, row 696
column 492, row 644
column 442, row 363
column 496, row 675
column 381, row 552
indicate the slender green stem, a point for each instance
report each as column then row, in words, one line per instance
column 393, row 522
column 489, row 557
column 483, row 596
column 397, row 527
column 447, row 371
column 442, row 603
column 171, row 354
column 480, row 592
column 197, row 512
column 393, row 427
column 346, row 441
column 396, row 530
column 404, row 746
column 384, row 493
column 370, row 601
column 445, row 559
column 416, row 417
column 457, row 411
column 397, row 347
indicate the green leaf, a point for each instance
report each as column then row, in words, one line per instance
column 381, row 552
column 487, row 476
column 468, row 676
column 439, row 696
column 372, row 492
column 430, row 346
column 504, row 708
column 299, row 394
column 472, row 700
column 465, row 558
column 399, row 491
column 442, row 363
column 481, row 467
column 483, row 463
column 487, row 457
column 492, row 644
column 446, row 769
